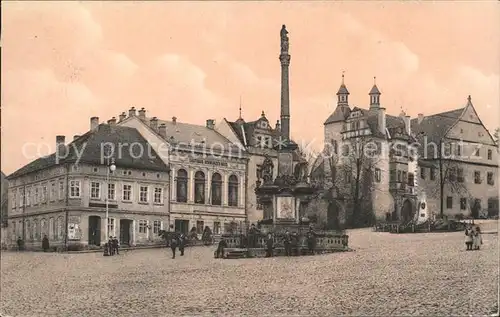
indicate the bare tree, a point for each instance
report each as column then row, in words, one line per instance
column 450, row 175
column 357, row 164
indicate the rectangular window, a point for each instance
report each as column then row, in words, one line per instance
column 156, row 226
column 143, row 194
column 143, row 226
column 61, row 190
column 127, row 192
column 227, row 227
column 28, row 196
column 458, row 150
column 399, row 176
column 111, row 227
column 433, row 173
column 216, row 227
column 377, row 175
column 53, row 194
column 74, row 189
column 476, row 152
column 405, row 177
column 477, row 177
column 36, row 195
column 199, row 226
column 411, row 179
column 14, row 199
column 460, row 175
column 490, row 179
column 21, row 197
column 449, row 202
column 490, row 155
column 44, row 193
column 111, row 191
column 422, row 172
column 452, row 175
column 392, row 175
column 158, row 195
column 463, row 203
column 95, row 190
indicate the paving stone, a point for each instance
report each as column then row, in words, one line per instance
column 389, row 275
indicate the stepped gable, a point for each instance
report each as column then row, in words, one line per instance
column 92, row 153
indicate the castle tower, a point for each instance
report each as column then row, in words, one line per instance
column 374, row 95
column 285, row 93
column 343, row 94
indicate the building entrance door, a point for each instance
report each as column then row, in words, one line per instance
column 95, row 230
column 182, row 226
column 125, row 225
column 407, row 213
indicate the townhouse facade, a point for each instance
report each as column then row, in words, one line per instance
column 64, row 195
column 459, row 154
column 208, row 172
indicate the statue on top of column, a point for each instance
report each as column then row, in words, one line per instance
column 284, row 39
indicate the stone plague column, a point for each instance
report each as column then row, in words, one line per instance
column 285, row 94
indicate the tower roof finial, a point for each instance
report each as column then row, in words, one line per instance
column 240, row 108
column 374, row 80
column 469, row 99
column 343, row 72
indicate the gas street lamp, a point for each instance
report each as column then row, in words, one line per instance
column 111, row 168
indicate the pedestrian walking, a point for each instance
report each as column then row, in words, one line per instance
column 182, row 244
column 220, row 248
column 477, row 240
column 311, row 241
column 287, row 243
column 45, row 243
column 20, row 243
column 110, row 246
column 468, row 238
column 173, row 244
column 269, row 246
column 115, row 245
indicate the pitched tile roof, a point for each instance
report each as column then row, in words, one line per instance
column 91, row 144
column 339, row 114
column 374, row 90
column 434, row 127
column 188, row 133
column 343, row 90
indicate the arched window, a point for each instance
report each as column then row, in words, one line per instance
column 181, row 186
column 28, row 233
column 233, row 191
column 216, row 189
column 60, row 233
column 35, row 230
column 43, row 227
column 199, row 188
column 52, row 231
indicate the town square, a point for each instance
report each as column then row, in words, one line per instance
column 230, row 158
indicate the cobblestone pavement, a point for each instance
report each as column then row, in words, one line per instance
column 403, row 275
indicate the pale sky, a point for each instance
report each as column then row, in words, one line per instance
column 64, row 62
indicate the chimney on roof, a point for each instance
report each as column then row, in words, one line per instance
column 174, row 120
column 162, row 130
column 153, row 123
column 142, row 114
column 131, row 112
column 381, row 120
column 94, row 123
column 112, row 121
column 210, row 123
column 61, row 150
column 122, row 116
column 76, row 136
column 420, row 118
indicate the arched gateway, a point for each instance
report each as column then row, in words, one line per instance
column 407, row 212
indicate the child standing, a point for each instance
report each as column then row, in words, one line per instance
column 468, row 238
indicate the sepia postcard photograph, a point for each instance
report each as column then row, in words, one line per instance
column 250, row 158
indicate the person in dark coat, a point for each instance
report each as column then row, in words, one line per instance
column 115, row 245
column 19, row 244
column 287, row 243
column 220, row 248
column 311, row 240
column 182, row 243
column 294, row 244
column 173, row 243
column 269, row 246
column 45, row 243
column 110, row 246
